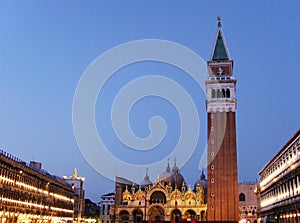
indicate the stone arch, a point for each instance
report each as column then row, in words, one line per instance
column 137, row 215
column 156, row 213
column 127, row 197
column 190, row 214
column 124, row 216
column 202, row 215
column 139, row 195
column 190, row 198
column 189, row 195
column 176, row 215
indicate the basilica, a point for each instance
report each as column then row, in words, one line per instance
column 167, row 199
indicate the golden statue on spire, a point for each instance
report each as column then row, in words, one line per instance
column 219, row 21
column 75, row 173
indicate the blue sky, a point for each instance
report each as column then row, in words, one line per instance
column 45, row 47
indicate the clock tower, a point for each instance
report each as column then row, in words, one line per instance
column 222, row 186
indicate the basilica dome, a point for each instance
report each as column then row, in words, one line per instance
column 172, row 178
column 202, row 182
column 146, row 180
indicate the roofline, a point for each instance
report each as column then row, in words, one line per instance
column 290, row 141
column 108, row 194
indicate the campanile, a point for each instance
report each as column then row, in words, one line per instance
column 222, row 187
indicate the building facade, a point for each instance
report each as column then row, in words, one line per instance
column 247, row 202
column 168, row 199
column 222, row 189
column 278, row 192
column 30, row 194
column 91, row 211
column 106, row 202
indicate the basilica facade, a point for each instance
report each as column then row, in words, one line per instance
column 167, row 199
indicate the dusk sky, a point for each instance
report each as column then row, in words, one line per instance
column 46, row 47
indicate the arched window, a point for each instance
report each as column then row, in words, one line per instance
column 218, row 93
column 223, row 93
column 158, row 197
column 213, row 93
column 242, row 197
column 227, row 93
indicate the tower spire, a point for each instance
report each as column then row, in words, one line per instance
column 168, row 170
column 175, row 168
column 146, row 176
column 220, row 50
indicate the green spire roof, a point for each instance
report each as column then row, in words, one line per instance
column 220, row 52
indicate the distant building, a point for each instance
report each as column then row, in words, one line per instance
column 106, row 203
column 168, row 199
column 30, row 194
column 247, row 202
column 77, row 185
column 279, row 189
column 91, row 210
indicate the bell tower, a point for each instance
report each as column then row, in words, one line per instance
column 222, row 185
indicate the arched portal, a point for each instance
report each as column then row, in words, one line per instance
column 124, row 216
column 190, row 214
column 176, row 215
column 137, row 216
column 156, row 213
column 202, row 216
